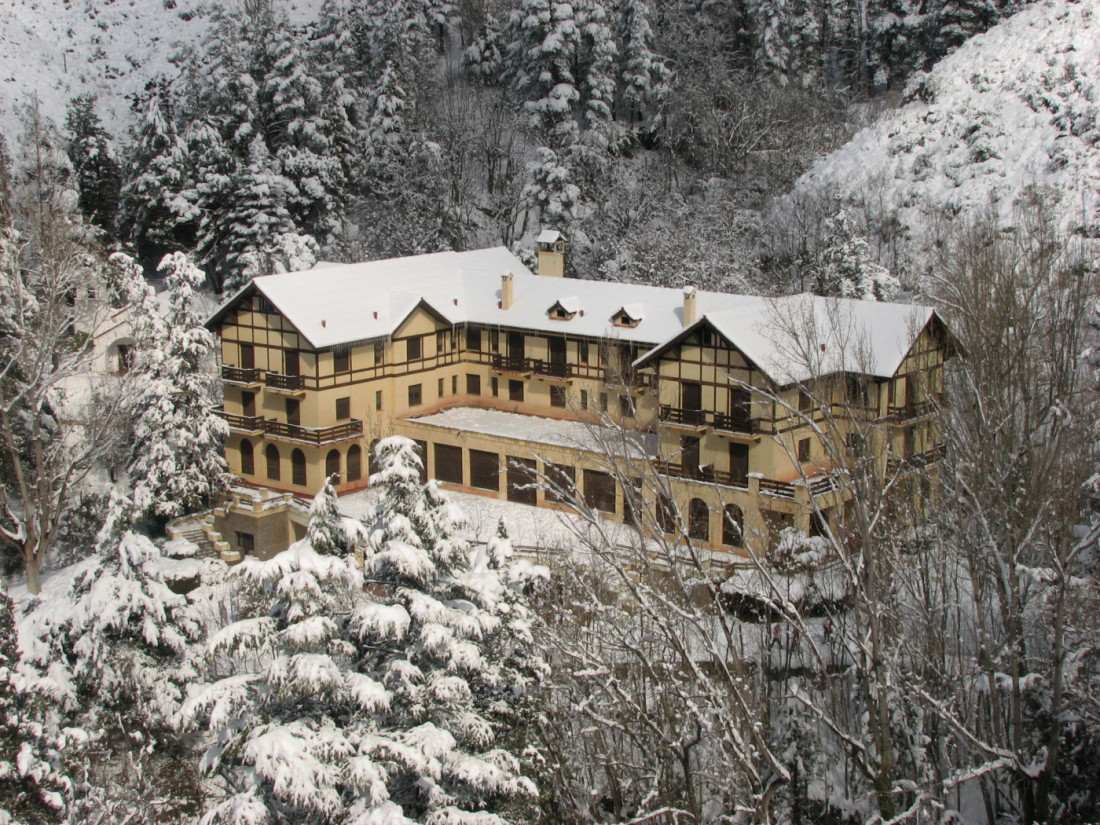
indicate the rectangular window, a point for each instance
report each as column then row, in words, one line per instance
column 515, row 390
column 803, row 450
column 522, row 478
column 473, row 384
column 341, row 361
column 599, row 491
column 448, row 463
column 494, row 340
column 378, row 399
column 454, row 385
column 603, row 401
column 248, row 357
column 626, row 406
column 557, row 396
column 293, row 412
column 343, row 409
column 562, row 482
column 413, row 348
column 248, row 404
column 584, row 399
column 246, row 542
column 494, row 386
column 379, row 353
column 439, row 388
column 441, row 342
column 582, row 351
column 484, row 470
column 739, row 464
column 292, row 362
column 415, row 396
column 805, row 402
column 473, row 339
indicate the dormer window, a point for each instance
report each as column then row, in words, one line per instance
column 563, row 310
column 628, row 316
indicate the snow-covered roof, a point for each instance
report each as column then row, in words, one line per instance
column 532, row 429
column 548, row 236
column 797, row 337
column 359, row 302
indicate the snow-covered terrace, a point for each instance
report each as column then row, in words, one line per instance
column 576, row 435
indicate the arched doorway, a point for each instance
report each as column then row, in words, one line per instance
column 332, row 464
column 355, row 462
column 248, row 458
column 272, row 456
column 698, row 520
column 298, row 468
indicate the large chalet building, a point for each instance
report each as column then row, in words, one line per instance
column 721, row 410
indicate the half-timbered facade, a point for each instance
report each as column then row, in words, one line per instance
column 503, row 376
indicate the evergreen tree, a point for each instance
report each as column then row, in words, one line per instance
column 158, row 213
column 33, row 790
column 97, row 172
column 326, row 534
column 389, row 139
column 177, row 464
column 845, row 267
column 552, row 189
column 643, row 75
column 362, row 708
column 484, row 60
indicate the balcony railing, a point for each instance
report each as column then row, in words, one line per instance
column 315, row 435
column 735, row 423
column 511, row 363
column 240, row 375
column 551, row 369
column 241, row 423
column 290, row 383
column 679, row 415
column 915, row 410
column 917, row 461
column 704, row 473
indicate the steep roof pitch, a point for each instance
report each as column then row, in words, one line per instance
column 790, row 339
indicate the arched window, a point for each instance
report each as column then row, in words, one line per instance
column 733, row 522
column 272, row 455
column 355, row 462
column 248, row 458
column 298, row 468
column 698, row 520
column 332, row 464
column 666, row 514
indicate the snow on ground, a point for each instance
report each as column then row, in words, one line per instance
column 532, row 428
column 58, row 49
column 1017, row 105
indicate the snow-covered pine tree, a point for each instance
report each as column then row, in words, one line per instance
column 484, row 58
column 176, row 463
column 326, row 534
column 158, row 214
column 389, row 140
column 348, row 704
column 597, row 54
column 845, row 267
column 33, row 789
column 643, row 74
column 552, row 190
column 97, row 172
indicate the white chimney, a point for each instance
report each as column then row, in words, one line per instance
column 507, row 291
column 689, row 305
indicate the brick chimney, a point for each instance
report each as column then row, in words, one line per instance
column 690, row 313
column 507, row 291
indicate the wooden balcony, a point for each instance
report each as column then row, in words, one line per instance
column 908, row 412
column 513, row 364
column 284, row 383
column 918, row 461
column 240, row 375
column 735, row 424
column 683, row 417
column 240, row 423
column 314, row 435
column 704, row 473
column 550, row 369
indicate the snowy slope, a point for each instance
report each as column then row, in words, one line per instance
column 1017, row 105
column 62, row 48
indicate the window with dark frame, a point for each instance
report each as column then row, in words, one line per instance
column 494, row 340
column 584, row 399
column 248, row 458
column 515, row 390
column 484, row 470
column 557, row 396
column 626, row 406
column 415, row 395
column 603, row 401
column 562, row 483
column 473, row 384
column 298, row 468
column 473, row 339
column 494, row 386
column 414, row 348
column 439, row 388
column 440, row 342
column 341, row 361
column 454, row 385
column 379, row 353
column 732, row 521
column 246, row 542
column 698, row 520
column 448, row 463
column 599, row 491
column 354, row 462
column 271, row 456
column 343, row 408
column 378, row 399
column 803, row 450
column 582, row 351
column 523, row 480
